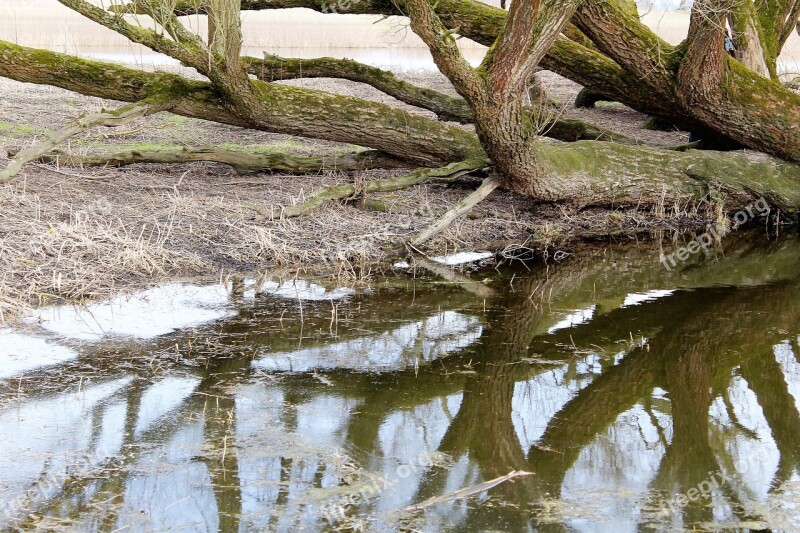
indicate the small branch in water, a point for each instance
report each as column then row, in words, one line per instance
column 468, row 491
column 470, row 285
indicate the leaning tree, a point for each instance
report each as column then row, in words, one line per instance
column 599, row 43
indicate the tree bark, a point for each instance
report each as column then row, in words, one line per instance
column 632, row 66
column 241, row 162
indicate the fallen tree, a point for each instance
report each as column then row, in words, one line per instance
column 695, row 85
column 509, row 119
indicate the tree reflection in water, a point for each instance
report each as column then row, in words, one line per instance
column 661, row 381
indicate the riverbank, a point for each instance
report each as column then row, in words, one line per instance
column 71, row 233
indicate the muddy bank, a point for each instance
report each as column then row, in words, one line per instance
column 71, row 233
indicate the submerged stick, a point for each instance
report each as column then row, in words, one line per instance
column 114, row 118
column 451, row 276
column 467, row 491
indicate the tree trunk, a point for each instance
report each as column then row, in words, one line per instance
column 747, row 37
column 633, row 66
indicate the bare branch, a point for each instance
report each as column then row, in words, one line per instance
column 487, row 187
column 165, row 16
column 186, row 53
column 118, row 117
column 442, row 44
column 337, row 192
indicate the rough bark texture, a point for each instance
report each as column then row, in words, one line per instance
column 242, row 162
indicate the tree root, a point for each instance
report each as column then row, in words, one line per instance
column 118, row 117
column 424, row 175
column 242, row 162
column 486, row 188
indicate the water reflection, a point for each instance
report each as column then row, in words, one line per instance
column 640, row 399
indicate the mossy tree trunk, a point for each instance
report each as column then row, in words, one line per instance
column 628, row 63
column 495, row 91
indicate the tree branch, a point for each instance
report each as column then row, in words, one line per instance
column 487, row 187
column 187, row 53
column 118, row 117
column 442, row 44
column 242, row 162
column 619, row 34
column 337, row 192
column 274, row 68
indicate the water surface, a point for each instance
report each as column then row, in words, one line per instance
column 639, row 399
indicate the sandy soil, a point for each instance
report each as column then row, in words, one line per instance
column 70, row 233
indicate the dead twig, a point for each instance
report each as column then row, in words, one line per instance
column 467, row 491
column 487, row 187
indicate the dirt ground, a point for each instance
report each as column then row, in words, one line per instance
column 71, row 233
